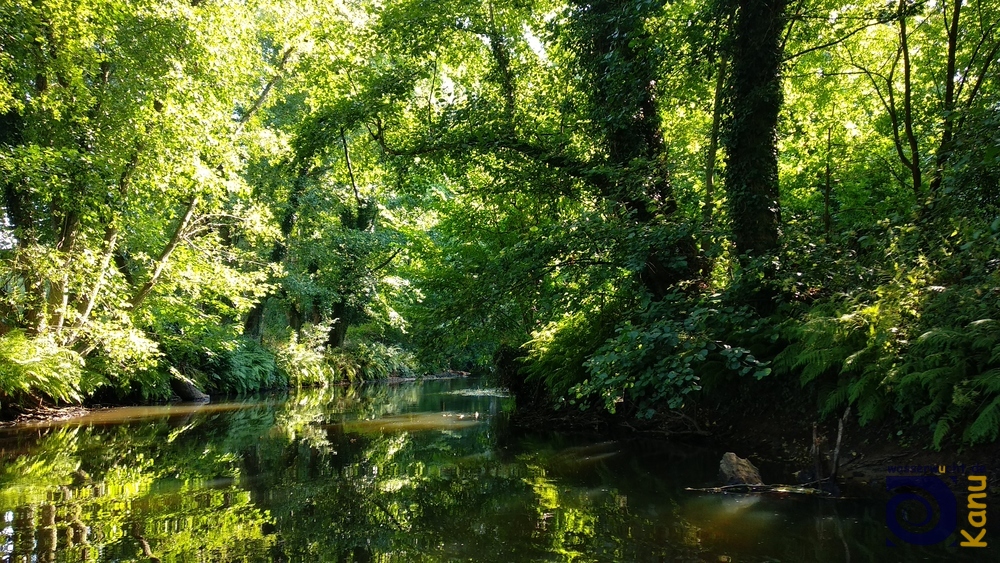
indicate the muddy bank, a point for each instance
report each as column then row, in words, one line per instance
column 867, row 453
column 783, row 442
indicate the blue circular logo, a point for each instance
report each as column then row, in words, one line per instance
column 923, row 511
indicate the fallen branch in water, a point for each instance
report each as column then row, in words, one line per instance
column 779, row 489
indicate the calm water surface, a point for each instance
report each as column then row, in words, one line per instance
column 417, row 472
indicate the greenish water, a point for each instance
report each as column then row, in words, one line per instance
column 417, row 472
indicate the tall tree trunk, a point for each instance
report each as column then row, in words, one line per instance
column 253, row 326
column 338, row 332
column 827, row 188
column 755, row 99
column 623, row 99
column 708, row 207
column 59, row 291
column 948, row 129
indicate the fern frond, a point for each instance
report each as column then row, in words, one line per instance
column 836, row 399
column 938, row 342
column 929, row 410
column 870, row 407
column 930, row 377
column 941, row 430
column 988, row 381
column 986, row 427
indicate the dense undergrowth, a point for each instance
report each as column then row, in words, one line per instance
column 923, row 342
column 34, row 371
column 629, row 205
column 906, row 326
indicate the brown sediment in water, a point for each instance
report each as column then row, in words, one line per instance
column 81, row 416
column 416, row 422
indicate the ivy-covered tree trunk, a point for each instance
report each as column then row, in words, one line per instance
column 615, row 48
column 751, row 141
column 338, row 331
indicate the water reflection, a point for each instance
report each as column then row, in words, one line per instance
column 421, row 472
column 414, row 422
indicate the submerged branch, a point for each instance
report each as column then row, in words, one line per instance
column 777, row 489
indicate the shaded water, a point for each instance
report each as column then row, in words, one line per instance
column 418, row 472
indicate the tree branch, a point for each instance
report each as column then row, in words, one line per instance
column 386, row 262
column 350, row 168
column 161, row 262
column 908, row 100
column 832, row 43
column 259, row 102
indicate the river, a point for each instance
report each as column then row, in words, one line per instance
column 425, row 471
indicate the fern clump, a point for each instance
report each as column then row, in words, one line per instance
column 301, row 360
column 37, row 369
column 372, row 360
column 925, row 344
column 848, row 349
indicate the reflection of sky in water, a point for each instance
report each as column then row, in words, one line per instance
column 8, row 534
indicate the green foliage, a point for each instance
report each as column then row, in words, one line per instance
column 307, row 362
column 847, row 351
column 925, row 349
column 36, row 368
column 660, row 357
column 302, row 361
column 557, row 353
column 371, row 360
column 306, row 192
column 247, row 368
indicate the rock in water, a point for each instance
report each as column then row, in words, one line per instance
column 734, row 470
column 187, row 390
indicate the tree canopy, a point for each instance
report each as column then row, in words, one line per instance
column 633, row 205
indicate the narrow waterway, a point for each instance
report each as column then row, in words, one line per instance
column 415, row 472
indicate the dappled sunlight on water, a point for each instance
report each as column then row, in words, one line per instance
column 417, row 472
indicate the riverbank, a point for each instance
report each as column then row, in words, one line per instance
column 777, row 434
column 779, row 437
column 51, row 414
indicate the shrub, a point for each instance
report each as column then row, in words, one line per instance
column 301, row 360
column 247, row 368
column 558, row 352
column 660, row 356
column 926, row 343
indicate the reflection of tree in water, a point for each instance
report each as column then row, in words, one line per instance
column 367, row 475
column 136, row 491
column 438, row 495
column 293, row 481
